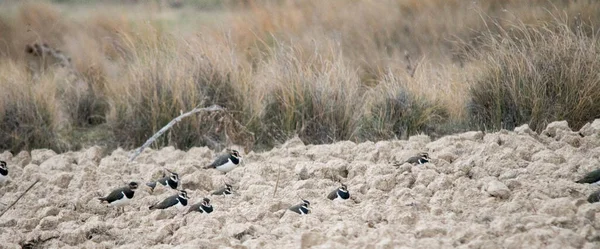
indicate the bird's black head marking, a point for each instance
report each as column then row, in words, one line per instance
column 343, row 192
column 305, row 208
column 133, row 185
column 302, row 208
column 183, row 194
column 424, row 155
column 206, row 202
column 2, row 165
column 235, row 153
column 305, row 203
column 343, row 187
column 174, row 177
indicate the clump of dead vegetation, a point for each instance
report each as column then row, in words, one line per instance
column 368, row 71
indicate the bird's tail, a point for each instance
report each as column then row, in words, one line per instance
column 102, row 199
column 208, row 167
column 152, row 185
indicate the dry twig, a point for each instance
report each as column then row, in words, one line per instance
column 139, row 150
column 15, row 202
column 277, row 182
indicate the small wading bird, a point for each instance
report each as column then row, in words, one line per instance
column 339, row 193
column 591, row 178
column 179, row 201
column 203, row 207
column 226, row 162
column 302, row 208
column 171, row 181
column 422, row 158
column 3, row 172
column 227, row 190
column 121, row 196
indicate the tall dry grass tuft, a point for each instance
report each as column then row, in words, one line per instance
column 535, row 75
column 161, row 80
column 325, row 70
column 314, row 94
column 28, row 114
column 375, row 35
column 396, row 112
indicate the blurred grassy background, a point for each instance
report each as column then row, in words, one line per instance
column 75, row 73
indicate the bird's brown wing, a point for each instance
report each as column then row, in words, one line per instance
column 413, row 160
column 220, row 191
column 296, row 208
column 222, row 159
column 114, row 195
column 195, row 207
column 332, row 195
column 170, row 201
column 591, row 177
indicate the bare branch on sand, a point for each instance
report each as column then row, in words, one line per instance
column 139, row 150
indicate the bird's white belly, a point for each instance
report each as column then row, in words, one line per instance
column 122, row 202
column 3, row 178
column 596, row 183
column 229, row 166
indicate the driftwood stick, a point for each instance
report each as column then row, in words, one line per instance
column 277, row 182
column 15, row 202
column 139, row 150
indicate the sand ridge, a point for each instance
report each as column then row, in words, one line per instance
column 507, row 189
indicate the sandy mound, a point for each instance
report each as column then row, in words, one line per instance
column 497, row 190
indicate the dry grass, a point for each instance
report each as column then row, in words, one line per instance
column 312, row 93
column 29, row 115
column 325, row 70
column 536, row 75
column 394, row 112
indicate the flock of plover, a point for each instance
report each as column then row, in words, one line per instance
column 122, row 196
column 229, row 161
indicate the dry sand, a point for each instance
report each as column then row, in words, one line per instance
column 509, row 189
